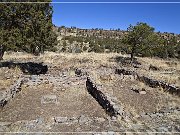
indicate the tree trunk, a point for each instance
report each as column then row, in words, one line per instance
column 132, row 52
column 41, row 49
column 37, row 51
column 1, row 52
column 132, row 56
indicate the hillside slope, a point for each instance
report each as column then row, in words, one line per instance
column 78, row 40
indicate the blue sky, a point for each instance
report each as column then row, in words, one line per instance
column 163, row 17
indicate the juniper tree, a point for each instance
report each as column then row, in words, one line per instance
column 26, row 26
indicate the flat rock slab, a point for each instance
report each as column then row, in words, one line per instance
column 49, row 99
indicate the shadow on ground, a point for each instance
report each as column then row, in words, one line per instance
column 127, row 61
column 27, row 68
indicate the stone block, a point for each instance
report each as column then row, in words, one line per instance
column 60, row 119
column 49, row 99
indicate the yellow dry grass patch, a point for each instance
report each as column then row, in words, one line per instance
column 8, row 77
column 17, row 55
column 4, row 84
column 160, row 63
column 94, row 57
column 169, row 69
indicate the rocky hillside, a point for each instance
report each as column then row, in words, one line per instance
column 78, row 40
column 98, row 33
column 96, row 40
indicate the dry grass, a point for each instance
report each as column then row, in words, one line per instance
column 17, row 55
column 169, row 69
column 8, row 77
column 160, row 63
column 93, row 57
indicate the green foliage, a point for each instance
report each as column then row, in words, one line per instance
column 26, row 26
column 167, row 47
column 177, row 50
column 139, row 39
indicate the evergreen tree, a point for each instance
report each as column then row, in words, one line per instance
column 26, row 27
column 139, row 38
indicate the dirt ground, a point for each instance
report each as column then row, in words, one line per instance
column 58, row 101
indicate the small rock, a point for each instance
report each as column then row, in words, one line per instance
column 100, row 120
column 146, row 117
column 112, row 103
column 5, row 123
column 8, row 77
column 113, row 118
column 153, row 115
column 137, row 126
column 60, row 119
column 142, row 92
column 159, row 114
column 121, row 112
column 111, row 133
column 3, row 103
column 83, row 119
column 49, row 99
column 33, row 78
column 40, row 120
column 31, row 124
column 78, row 129
column 166, row 111
column 176, row 111
column 2, row 95
column 73, row 120
column 162, row 129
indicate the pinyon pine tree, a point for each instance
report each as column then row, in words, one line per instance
column 139, row 39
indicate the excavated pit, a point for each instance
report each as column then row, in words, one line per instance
column 149, row 107
column 55, row 100
column 27, row 68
